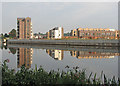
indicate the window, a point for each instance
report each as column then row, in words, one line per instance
column 117, row 35
column 108, row 33
column 74, row 52
column 103, row 33
column 27, row 20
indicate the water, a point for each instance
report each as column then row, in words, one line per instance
column 93, row 59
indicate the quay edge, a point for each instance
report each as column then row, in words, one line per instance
column 107, row 43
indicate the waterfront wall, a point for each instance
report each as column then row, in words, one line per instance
column 107, row 43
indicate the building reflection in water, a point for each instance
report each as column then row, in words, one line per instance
column 119, row 62
column 24, row 57
column 12, row 50
column 87, row 54
column 119, row 66
column 56, row 54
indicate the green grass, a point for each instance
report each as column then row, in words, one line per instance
column 40, row 77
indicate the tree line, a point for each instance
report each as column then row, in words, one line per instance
column 11, row 34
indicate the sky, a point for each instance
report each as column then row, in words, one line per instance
column 69, row 15
column 0, row 17
column 60, row 0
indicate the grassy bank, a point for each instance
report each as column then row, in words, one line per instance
column 39, row 76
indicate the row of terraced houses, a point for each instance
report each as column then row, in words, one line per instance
column 95, row 33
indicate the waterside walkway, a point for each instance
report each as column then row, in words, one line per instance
column 103, row 43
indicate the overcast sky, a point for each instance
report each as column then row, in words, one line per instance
column 69, row 15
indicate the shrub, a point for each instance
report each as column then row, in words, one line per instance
column 26, row 76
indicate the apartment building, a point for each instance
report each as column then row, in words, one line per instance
column 95, row 33
column 74, row 32
column 55, row 33
column 24, row 28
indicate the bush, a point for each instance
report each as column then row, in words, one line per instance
column 26, row 76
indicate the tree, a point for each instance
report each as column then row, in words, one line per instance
column 2, row 36
column 6, row 35
column 12, row 33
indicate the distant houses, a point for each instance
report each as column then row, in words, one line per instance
column 39, row 36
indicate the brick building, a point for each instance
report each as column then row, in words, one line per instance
column 95, row 33
column 24, row 28
column 74, row 32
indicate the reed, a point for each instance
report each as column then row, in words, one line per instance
column 39, row 76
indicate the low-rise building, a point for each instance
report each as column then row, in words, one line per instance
column 70, row 37
column 55, row 33
column 74, row 32
column 39, row 36
column 95, row 33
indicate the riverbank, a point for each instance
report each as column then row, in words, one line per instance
column 98, row 42
column 40, row 77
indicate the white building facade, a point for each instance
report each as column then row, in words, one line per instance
column 55, row 33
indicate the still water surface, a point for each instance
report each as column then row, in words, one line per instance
column 93, row 59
